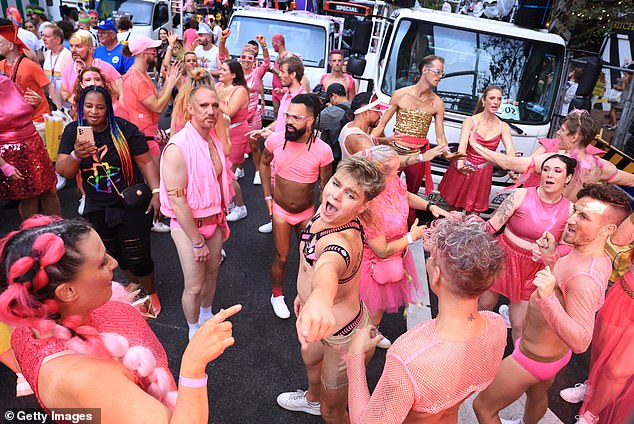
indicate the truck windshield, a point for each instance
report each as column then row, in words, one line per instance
column 140, row 11
column 308, row 41
column 528, row 71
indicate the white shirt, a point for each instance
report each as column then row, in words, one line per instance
column 53, row 66
column 30, row 39
column 207, row 58
column 123, row 36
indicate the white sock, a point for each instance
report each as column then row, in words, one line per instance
column 205, row 315
column 192, row 329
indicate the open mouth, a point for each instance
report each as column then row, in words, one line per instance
column 330, row 209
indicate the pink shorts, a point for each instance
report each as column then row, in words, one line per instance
column 206, row 226
column 155, row 150
column 293, row 218
column 540, row 370
column 237, row 153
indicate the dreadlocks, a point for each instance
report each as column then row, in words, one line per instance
column 313, row 104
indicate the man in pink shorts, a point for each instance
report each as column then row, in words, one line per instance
column 561, row 312
column 300, row 160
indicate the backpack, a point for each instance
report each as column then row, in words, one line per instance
column 331, row 136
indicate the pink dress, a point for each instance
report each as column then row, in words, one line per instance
column 390, row 210
column 471, row 192
column 238, row 131
column 112, row 317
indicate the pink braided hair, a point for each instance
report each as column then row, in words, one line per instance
column 28, row 300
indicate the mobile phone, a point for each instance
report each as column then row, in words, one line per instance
column 85, row 134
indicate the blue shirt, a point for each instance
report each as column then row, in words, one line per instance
column 115, row 57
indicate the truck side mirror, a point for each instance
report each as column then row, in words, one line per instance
column 356, row 66
column 361, row 38
column 591, row 71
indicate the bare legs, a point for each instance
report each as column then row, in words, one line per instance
column 31, row 206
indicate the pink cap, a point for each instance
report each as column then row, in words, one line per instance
column 139, row 43
column 375, row 105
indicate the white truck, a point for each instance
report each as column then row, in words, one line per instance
column 306, row 34
column 148, row 16
column 527, row 64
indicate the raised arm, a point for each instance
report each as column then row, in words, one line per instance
column 379, row 131
column 510, row 163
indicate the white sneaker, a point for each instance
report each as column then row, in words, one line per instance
column 61, row 182
column 223, row 256
column 385, row 343
column 504, row 311
column 246, row 156
column 159, row 227
column 296, row 401
column 82, row 205
column 280, row 309
column 239, row 173
column 238, row 213
column 266, row 228
column 230, row 207
column 256, row 178
column 574, row 394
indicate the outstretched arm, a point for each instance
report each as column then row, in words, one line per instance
column 510, row 163
column 624, row 235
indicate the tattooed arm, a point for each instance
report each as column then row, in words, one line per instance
column 507, row 209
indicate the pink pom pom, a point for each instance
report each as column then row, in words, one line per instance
column 141, row 360
column 116, row 344
column 62, row 333
column 170, row 399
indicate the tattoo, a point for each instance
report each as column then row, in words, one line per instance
column 505, row 210
column 471, row 317
column 407, row 160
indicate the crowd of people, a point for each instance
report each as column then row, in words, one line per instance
column 354, row 216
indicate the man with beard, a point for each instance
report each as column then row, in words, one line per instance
column 206, row 51
column 337, row 75
column 111, row 49
column 300, row 160
column 415, row 106
column 82, row 50
column 355, row 135
column 141, row 99
column 561, row 312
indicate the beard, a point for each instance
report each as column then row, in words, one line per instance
column 151, row 63
column 294, row 134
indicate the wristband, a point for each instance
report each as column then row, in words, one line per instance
column 429, row 205
column 199, row 245
column 263, row 46
column 420, row 158
column 410, row 239
column 74, row 156
column 7, row 169
column 192, row 383
column 156, row 190
column 268, row 197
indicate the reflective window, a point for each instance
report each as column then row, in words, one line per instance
column 140, row 11
column 528, row 71
column 309, row 41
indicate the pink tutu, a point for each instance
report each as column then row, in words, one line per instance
column 612, row 345
column 516, row 279
column 388, row 297
column 469, row 192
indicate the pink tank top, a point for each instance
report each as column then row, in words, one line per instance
column 534, row 216
column 112, row 317
column 491, row 143
column 254, row 82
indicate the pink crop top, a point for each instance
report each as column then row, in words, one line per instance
column 535, row 216
column 298, row 162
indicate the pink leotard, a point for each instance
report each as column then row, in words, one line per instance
column 534, row 216
column 298, row 162
column 112, row 317
column 254, row 82
column 238, row 130
column 205, row 190
column 425, row 374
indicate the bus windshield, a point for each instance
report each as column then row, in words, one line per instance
column 140, row 11
column 308, row 41
column 528, row 71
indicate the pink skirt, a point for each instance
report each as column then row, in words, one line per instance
column 612, row 346
column 516, row 279
column 469, row 192
column 388, row 297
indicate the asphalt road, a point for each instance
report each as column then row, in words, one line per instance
column 265, row 361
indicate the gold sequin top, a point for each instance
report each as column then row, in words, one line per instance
column 413, row 122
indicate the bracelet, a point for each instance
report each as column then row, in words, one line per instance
column 74, row 156
column 192, row 383
column 199, row 245
column 263, row 46
column 268, row 197
column 429, row 205
column 410, row 239
column 420, row 158
column 7, row 169
column 156, row 190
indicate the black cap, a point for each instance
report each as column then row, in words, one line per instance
column 336, row 88
column 360, row 100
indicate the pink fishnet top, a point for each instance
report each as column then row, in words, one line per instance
column 425, row 374
column 389, row 210
column 583, row 280
column 112, row 317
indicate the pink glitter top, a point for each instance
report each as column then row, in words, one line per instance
column 534, row 216
column 16, row 115
column 426, row 374
column 390, row 210
column 112, row 317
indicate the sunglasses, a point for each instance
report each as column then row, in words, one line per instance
column 151, row 52
column 436, row 72
column 294, row 117
column 247, row 57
